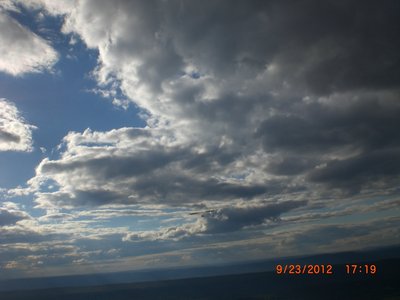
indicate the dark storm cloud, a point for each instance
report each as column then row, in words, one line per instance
column 365, row 128
column 89, row 197
column 223, row 33
column 111, row 167
column 291, row 133
column 235, row 218
column 365, row 55
column 162, row 188
column 326, row 46
column 183, row 189
column 369, row 122
column 372, row 168
column 335, row 45
column 290, row 164
column 205, row 161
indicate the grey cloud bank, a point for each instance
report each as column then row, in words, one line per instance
column 243, row 100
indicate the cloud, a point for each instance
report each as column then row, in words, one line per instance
column 21, row 50
column 379, row 168
column 31, row 257
column 346, row 141
column 223, row 220
column 15, row 133
column 243, row 101
column 236, row 218
column 20, row 234
column 343, row 237
column 134, row 165
column 10, row 214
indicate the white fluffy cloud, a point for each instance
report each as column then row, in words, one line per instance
column 15, row 133
column 21, row 50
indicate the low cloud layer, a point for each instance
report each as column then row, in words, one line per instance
column 223, row 220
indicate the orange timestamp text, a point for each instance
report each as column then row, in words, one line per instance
column 366, row 269
column 324, row 269
column 311, row 269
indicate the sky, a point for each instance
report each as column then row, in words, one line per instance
column 157, row 134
